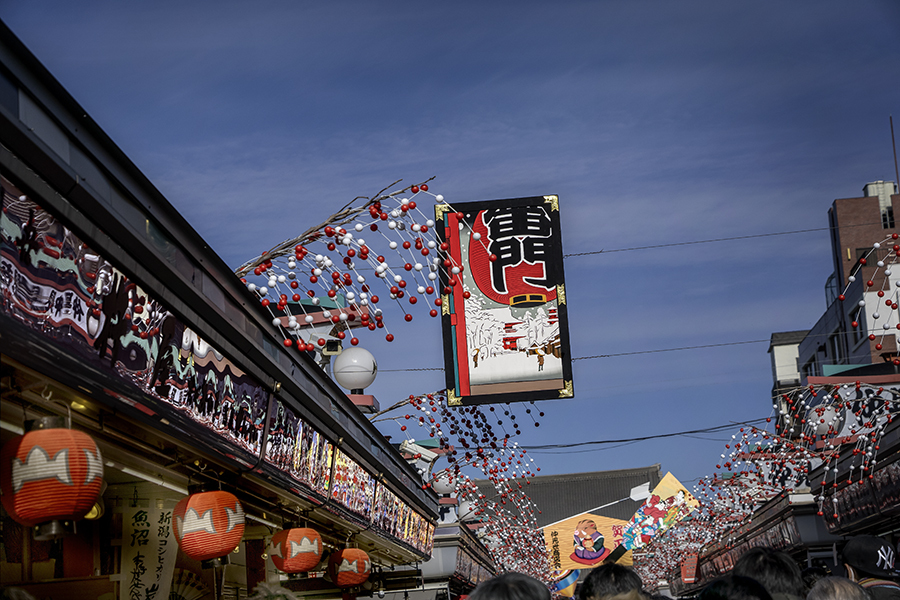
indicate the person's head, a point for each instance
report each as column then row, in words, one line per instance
column 734, row 587
column 511, row 586
column 869, row 556
column 838, row 588
column 813, row 574
column 775, row 570
column 609, row 580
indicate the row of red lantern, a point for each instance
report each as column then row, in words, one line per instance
column 299, row 550
column 56, row 474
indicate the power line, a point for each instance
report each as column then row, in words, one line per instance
column 673, row 244
column 636, row 352
column 668, row 349
column 714, row 240
column 644, row 438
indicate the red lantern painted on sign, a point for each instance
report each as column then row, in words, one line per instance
column 349, row 567
column 209, row 525
column 508, row 261
column 50, row 475
column 296, row 550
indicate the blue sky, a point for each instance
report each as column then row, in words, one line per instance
column 655, row 123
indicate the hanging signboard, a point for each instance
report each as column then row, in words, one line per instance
column 669, row 503
column 583, row 541
column 149, row 550
column 689, row 569
column 505, row 320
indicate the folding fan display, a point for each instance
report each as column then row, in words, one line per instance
column 187, row 585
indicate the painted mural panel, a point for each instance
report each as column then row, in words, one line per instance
column 296, row 447
column 397, row 519
column 352, row 486
column 54, row 283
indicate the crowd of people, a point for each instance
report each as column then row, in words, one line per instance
column 867, row 571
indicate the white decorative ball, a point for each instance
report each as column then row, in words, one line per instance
column 355, row 368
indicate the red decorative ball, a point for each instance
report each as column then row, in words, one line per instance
column 50, row 475
column 209, row 524
column 296, row 550
column 349, row 567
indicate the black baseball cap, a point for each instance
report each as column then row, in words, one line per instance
column 871, row 555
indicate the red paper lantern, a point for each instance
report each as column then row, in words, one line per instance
column 50, row 474
column 349, row 567
column 209, row 525
column 296, row 550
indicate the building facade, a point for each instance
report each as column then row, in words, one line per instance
column 118, row 317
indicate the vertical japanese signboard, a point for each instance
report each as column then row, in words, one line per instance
column 149, row 550
column 505, row 324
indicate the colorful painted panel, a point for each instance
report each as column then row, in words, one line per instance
column 397, row 519
column 352, row 487
column 583, row 540
column 668, row 504
column 297, row 448
column 505, row 321
column 55, row 284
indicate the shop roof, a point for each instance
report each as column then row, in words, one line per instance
column 565, row 495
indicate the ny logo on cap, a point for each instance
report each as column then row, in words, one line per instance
column 886, row 558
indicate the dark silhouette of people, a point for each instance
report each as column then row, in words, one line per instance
column 511, row 586
column 734, row 587
column 776, row 571
column 609, row 580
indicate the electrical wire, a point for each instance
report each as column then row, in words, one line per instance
column 714, row 240
column 731, row 425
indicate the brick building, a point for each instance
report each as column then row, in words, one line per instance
column 833, row 344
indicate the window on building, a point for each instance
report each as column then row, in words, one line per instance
column 887, row 218
column 835, row 349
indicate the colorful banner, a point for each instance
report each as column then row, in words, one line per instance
column 669, row 503
column 505, row 321
column 564, row 582
column 149, row 550
column 583, row 541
